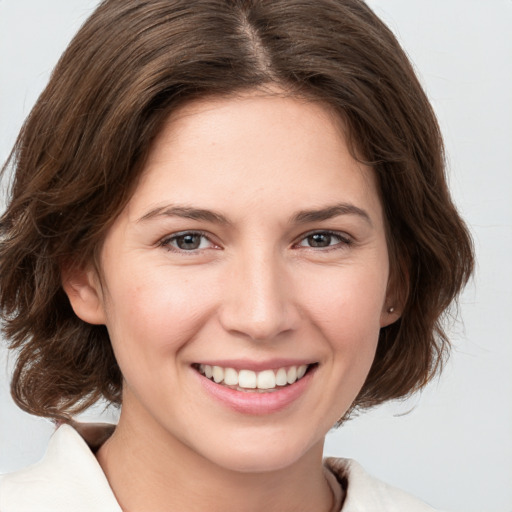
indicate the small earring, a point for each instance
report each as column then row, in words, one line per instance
column 391, row 309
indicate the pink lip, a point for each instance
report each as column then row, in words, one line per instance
column 254, row 402
column 256, row 366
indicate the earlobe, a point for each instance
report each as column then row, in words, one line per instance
column 84, row 292
column 389, row 315
column 395, row 302
column 396, row 295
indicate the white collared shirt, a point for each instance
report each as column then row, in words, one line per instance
column 70, row 479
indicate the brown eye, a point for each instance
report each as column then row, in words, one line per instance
column 188, row 242
column 320, row 240
column 325, row 239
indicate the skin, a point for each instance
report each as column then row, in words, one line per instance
column 255, row 289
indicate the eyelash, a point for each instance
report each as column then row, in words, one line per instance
column 343, row 240
column 167, row 241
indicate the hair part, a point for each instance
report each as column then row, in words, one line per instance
column 80, row 154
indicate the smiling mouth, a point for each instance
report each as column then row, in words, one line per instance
column 256, row 382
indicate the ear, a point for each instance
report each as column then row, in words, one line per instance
column 396, row 298
column 83, row 288
column 389, row 315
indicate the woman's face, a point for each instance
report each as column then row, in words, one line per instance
column 252, row 250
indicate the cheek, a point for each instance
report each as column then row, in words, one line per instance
column 153, row 313
column 346, row 301
column 345, row 307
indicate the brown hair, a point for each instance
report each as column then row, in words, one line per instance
column 80, row 153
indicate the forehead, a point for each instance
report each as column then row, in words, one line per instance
column 250, row 150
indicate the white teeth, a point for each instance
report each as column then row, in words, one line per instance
column 218, row 374
column 301, row 371
column 248, row 379
column 291, row 374
column 266, row 379
column 281, row 377
column 230, row 377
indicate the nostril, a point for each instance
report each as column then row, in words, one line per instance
column 259, row 325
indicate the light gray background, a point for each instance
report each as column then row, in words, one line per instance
column 454, row 448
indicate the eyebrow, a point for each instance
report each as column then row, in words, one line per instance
column 301, row 217
column 185, row 212
column 329, row 212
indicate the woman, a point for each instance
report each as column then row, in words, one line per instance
column 230, row 217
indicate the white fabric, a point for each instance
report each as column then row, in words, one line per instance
column 366, row 493
column 69, row 479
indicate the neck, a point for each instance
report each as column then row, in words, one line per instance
column 149, row 469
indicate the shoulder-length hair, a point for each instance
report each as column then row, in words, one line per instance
column 80, row 154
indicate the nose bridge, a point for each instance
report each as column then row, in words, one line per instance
column 259, row 303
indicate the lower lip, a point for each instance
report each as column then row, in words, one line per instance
column 257, row 403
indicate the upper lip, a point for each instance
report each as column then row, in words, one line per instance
column 256, row 366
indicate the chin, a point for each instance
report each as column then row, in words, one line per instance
column 263, row 457
column 257, row 462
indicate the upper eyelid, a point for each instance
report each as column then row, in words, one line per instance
column 173, row 236
column 185, row 232
column 342, row 234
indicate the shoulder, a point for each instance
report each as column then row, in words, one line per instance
column 365, row 492
column 67, row 478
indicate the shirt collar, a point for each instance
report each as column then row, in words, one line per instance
column 70, row 478
column 67, row 478
column 365, row 492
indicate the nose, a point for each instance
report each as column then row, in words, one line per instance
column 258, row 299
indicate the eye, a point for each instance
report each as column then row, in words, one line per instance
column 324, row 239
column 187, row 241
